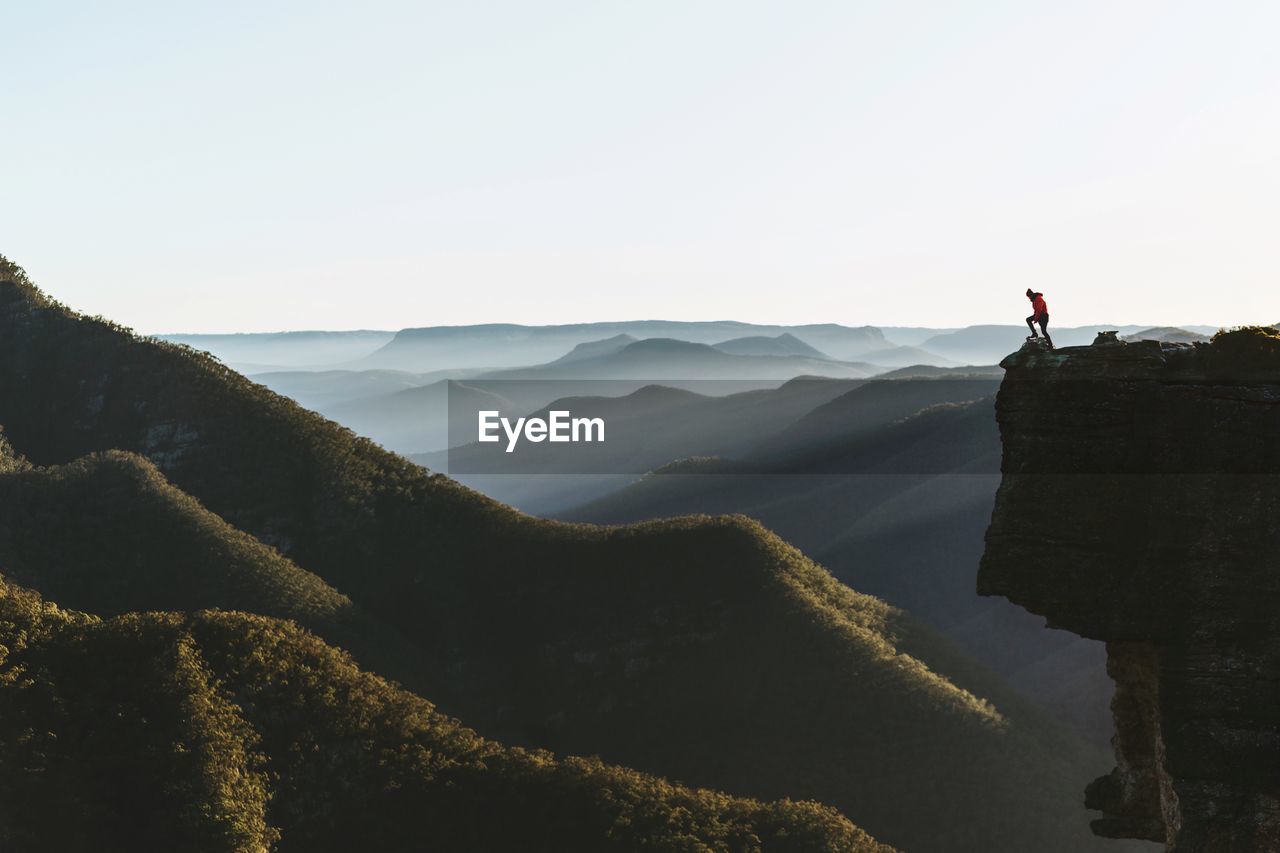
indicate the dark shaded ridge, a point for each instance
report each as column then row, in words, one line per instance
column 107, row 534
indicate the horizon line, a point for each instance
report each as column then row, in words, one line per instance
column 393, row 331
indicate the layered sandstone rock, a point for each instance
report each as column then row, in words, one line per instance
column 1140, row 505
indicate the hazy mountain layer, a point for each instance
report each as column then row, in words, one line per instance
column 656, row 359
column 869, row 407
column 1167, row 334
column 462, row 348
column 287, row 349
column 785, row 344
column 647, row 428
column 905, row 356
column 922, row 371
column 595, row 349
column 510, row 345
column 896, row 507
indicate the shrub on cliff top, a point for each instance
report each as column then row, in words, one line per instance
column 1247, row 347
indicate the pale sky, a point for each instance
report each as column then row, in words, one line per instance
column 257, row 166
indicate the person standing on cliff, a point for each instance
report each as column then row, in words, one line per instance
column 1039, row 314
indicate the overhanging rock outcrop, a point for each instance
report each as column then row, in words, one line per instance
column 1140, row 505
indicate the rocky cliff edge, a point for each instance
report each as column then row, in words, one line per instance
column 1140, row 505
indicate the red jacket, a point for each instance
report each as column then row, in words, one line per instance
column 1039, row 306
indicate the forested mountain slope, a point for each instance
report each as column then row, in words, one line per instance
column 231, row 732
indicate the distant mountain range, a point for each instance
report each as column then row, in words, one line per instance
column 408, row 412
column 667, row 358
column 596, row 349
column 784, row 344
column 266, row 350
column 507, row 346
column 1169, row 335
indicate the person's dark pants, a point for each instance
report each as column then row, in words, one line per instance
column 1043, row 320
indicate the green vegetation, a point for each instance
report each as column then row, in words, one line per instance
column 699, row 649
column 232, row 732
column 107, row 533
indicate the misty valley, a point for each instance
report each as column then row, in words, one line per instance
column 305, row 609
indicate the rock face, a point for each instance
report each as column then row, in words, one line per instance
column 1140, row 505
